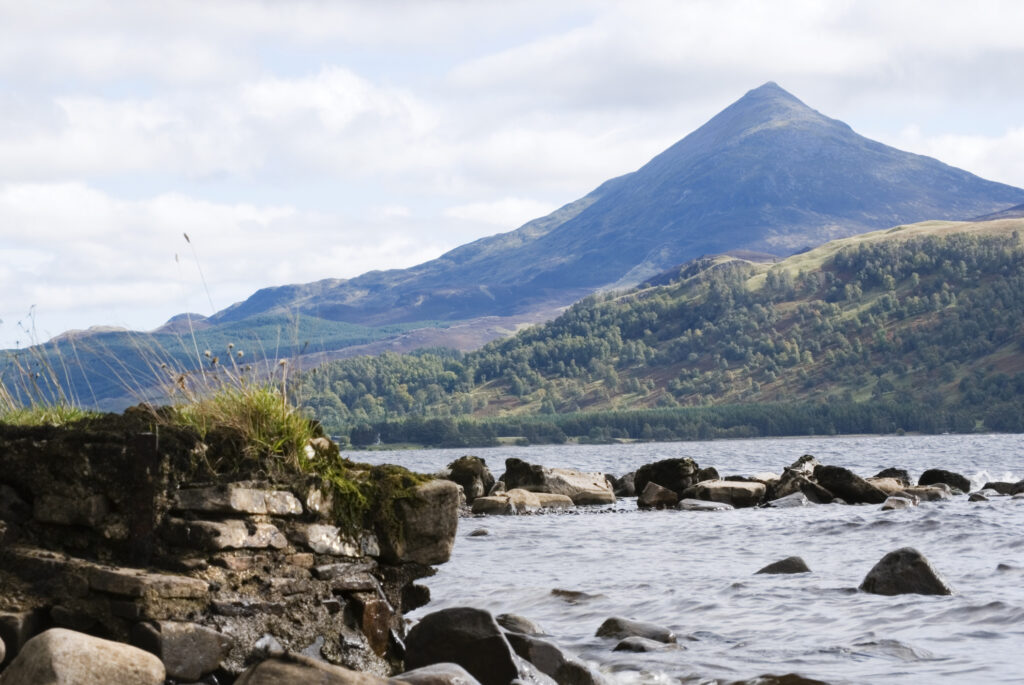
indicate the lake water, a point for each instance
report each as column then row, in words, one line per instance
column 694, row 572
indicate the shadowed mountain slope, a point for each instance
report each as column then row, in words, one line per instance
column 767, row 174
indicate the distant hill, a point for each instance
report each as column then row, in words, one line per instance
column 767, row 176
column 917, row 327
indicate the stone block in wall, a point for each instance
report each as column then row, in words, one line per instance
column 427, row 524
column 325, row 539
column 347, row 577
column 71, row 511
column 233, row 499
column 219, row 535
column 130, row 582
column 188, row 650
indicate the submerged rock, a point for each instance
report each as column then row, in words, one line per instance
column 1002, row 487
column 515, row 501
column 787, row 565
column 847, row 485
column 59, row 657
column 898, row 474
column 953, row 480
column 581, row 487
column 703, row 505
column 625, row 486
column 655, row 496
column 466, row 636
column 904, row 571
column 641, row 644
column 889, row 486
column 795, row 499
column 928, row 493
column 897, row 502
column 618, row 627
column 977, row 497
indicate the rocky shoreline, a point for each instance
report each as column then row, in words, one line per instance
column 117, row 568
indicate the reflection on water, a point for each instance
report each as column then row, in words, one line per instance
column 694, row 572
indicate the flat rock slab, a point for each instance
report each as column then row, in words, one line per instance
column 61, row 657
column 690, row 504
column 904, row 571
column 219, row 535
column 325, row 539
column 736, row 493
column 238, row 500
column 129, row 582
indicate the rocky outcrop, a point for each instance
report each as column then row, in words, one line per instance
column 619, row 628
column 904, row 571
column 847, row 485
column 656, row 497
column 953, row 480
column 674, row 474
column 472, row 475
column 787, row 565
column 581, row 487
column 199, row 568
column 60, row 656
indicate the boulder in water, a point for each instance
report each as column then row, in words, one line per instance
column 796, row 499
column 656, row 497
column 977, row 497
column 618, row 627
column 1002, row 487
column 899, row 474
column 889, row 486
column 953, row 480
column 59, row 656
column 515, row 501
column 472, row 475
column 514, row 623
column 674, row 474
column 550, row 501
column 735, row 493
column 787, row 565
column 552, row 661
column 296, row 669
column 641, row 644
column 897, row 502
column 904, row 571
column 847, row 485
column 625, row 486
column 928, row 493
column 581, row 487
column 703, row 505
column 465, row 636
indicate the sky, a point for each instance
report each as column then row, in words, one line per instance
column 301, row 140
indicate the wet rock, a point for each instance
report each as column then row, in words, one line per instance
column 515, row 623
column 479, row 533
column 889, row 486
column 796, row 499
column 786, row 679
column 574, row 596
column 512, row 502
column 188, row 650
column 465, row 636
column 472, row 475
column 899, row 474
column 655, row 496
column 708, row 473
column 1003, row 488
column 581, row 487
column 530, row 674
column 60, row 656
column 703, row 505
column 977, row 497
column 427, row 524
column 640, row 644
column 904, row 571
column 735, row 493
column 928, row 493
column 896, row 502
column 620, row 628
column 848, row 485
column 1017, row 488
column 954, row 480
column 237, row 499
column 625, row 486
column 674, row 474
column 437, row 674
column 805, row 465
column 552, row 661
column 303, row 670
column 787, row 565
column 792, row 481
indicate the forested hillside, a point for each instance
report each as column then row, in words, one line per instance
column 915, row 328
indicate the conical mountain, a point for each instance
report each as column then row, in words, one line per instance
column 767, row 174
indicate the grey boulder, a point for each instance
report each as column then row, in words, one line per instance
column 904, row 571
column 60, row 657
column 620, row 628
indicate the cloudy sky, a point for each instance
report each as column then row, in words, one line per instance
column 294, row 141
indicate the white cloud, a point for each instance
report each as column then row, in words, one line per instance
column 507, row 213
